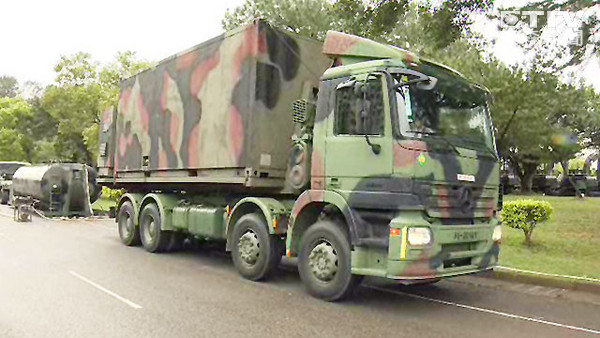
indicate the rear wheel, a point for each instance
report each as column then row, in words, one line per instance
column 255, row 252
column 324, row 262
column 128, row 232
column 154, row 239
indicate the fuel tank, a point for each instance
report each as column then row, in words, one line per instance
column 59, row 189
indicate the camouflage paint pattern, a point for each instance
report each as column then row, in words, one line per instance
column 224, row 104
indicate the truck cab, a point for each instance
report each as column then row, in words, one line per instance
column 408, row 145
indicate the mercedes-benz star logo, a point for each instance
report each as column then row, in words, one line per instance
column 465, row 199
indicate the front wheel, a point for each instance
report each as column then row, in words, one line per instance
column 324, row 262
column 255, row 252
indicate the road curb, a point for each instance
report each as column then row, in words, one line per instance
column 555, row 282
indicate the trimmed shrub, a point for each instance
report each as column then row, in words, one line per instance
column 112, row 194
column 525, row 215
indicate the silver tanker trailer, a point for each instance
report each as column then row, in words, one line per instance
column 59, row 189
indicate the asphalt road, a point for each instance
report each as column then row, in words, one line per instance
column 74, row 278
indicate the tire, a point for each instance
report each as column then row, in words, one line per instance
column 128, row 232
column 5, row 197
column 255, row 253
column 154, row 239
column 324, row 262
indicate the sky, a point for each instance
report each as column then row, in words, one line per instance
column 36, row 33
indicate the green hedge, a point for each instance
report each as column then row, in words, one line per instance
column 526, row 215
column 112, row 194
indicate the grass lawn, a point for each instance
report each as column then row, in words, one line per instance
column 103, row 204
column 569, row 243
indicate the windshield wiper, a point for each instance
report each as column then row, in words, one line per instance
column 441, row 137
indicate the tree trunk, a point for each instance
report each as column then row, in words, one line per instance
column 598, row 171
column 526, row 171
column 527, row 177
column 528, row 237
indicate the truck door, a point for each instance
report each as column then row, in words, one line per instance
column 359, row 134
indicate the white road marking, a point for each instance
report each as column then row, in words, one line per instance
column 484, row 310
column 548, row 274
column 6, row 237
column 105, row 290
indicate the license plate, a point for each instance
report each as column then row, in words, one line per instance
column 466, row 236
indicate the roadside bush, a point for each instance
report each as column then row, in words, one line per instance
column 525, row 215
column 112, row 194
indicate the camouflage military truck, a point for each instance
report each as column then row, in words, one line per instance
column 7, row 170
column 358, row 158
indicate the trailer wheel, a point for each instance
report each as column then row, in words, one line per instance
column 5, row 196
column 324, row 262
column 255, row 252
column 128, row 232
column 154, row 239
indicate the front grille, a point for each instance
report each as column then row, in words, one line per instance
column 459, row 247
column 460, row 202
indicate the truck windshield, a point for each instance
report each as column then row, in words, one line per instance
column 453, row 109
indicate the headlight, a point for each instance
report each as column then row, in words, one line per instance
column 497, row 235
column 419, row 236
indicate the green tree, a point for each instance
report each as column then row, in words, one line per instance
column 9, row 87
column 82, row 89
column 305, row 17
column 10, row 145
column 374, row 19
column 526, row 215
column 15, row 145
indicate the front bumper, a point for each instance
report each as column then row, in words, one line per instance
column 454, row 250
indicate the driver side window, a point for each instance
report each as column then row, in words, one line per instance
column 359, row 109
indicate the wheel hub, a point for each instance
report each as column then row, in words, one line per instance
column 249, row 247
column 323, row 261
column 126, row 225
column 150, row 231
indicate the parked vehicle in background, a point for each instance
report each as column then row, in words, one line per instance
column 577, row 183
column 544, row 183
column 358, row 158
column 7, row 170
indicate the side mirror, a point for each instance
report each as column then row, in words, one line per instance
column 427, row 85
